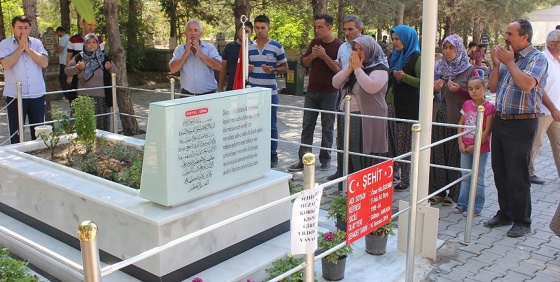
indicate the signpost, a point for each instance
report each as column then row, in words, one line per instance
column 370, row 197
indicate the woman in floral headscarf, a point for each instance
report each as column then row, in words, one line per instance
column 452, row 74
column 365, row 80
column 90, row 65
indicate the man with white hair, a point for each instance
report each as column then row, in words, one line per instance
column 197, row 61
column 549, row 123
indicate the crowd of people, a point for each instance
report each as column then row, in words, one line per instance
column 524, row 79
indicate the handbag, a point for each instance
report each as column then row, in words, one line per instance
column 555, row 222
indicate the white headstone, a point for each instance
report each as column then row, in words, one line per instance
column 201, row 145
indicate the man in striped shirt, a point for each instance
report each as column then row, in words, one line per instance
column 518, row 79
column 266, row 59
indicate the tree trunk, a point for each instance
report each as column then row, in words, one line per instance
column 447, row 29
column 132, row 30
column 65, row 15
column 340, row 18
column 2, row 28
column 129, row 123
column 30, row 10
column 477, row 29
column 319, row 7
column 240, row 8
column 399, row 19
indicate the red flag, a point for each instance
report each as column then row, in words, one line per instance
column 239, row 80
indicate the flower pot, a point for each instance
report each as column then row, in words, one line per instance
column 341, row 224
column 376, row 245
column 333, row 271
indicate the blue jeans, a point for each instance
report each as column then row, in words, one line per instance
column 318, row 101
column 273, row 124
column 467, row 162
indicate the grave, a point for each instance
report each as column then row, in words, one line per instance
column 56, row 199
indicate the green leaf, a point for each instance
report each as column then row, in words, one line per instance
column 85, row 9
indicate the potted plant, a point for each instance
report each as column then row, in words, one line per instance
column 376, row 241
column 338, row 210
column 333, row 265
column 282, row 265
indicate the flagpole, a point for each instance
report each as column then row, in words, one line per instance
column 245, row 51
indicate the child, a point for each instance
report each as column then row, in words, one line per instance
column 477, row 89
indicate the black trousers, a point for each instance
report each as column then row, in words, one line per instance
column 512, row 141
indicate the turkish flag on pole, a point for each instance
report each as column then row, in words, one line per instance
column 239, row 80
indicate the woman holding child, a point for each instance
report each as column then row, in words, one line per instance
column 451, row 74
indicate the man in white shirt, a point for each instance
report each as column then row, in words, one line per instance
column 549, row 123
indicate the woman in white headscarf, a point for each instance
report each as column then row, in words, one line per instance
column 90, row 65
column 365, row 80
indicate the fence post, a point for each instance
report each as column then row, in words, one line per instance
column 87, row 233
column 308, row 183
column 474, row 173
column 114, row 94
column 172, row 90
column 346, row 154
column 411, row 240
column 20, row 111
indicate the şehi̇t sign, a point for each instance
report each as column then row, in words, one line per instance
column 370, row 199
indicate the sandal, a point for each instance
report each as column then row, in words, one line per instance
column 435, row 200
column 447, row 202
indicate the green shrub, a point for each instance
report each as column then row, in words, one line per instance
column 13, row 270
column 83, row 109
column 284, row 264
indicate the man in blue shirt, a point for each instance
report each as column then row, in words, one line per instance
column 23, row 58
column 518, row 80
column 197, row 61
column 266, row 59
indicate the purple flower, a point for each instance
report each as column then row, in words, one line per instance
column 329, row 236
column 197, row 279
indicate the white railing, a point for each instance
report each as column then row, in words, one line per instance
column 87, row 231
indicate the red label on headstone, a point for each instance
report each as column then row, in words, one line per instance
column 370, row 198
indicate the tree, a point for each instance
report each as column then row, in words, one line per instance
column 2, row 28
column 30, row 10
column 132, row 30
column 241, row 7
column 319, row 6
column 129, row 123
column 65, row 14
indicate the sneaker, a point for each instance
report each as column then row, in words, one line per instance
column 518, row 230
column 273, row 161
column 458, row 211
column 333, row 176
column 324, row 166
column 497, row 221
column 296, row 167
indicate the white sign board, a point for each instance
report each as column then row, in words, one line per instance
column 305, row 221
column 197, row 146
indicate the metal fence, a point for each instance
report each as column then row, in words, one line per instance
column 87, row 231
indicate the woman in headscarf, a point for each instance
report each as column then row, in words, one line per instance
column 403, row 97
column 366, row 81
column 452, row 73
column 90, row 65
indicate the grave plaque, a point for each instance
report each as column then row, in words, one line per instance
column 197, row 146
column 50, row 39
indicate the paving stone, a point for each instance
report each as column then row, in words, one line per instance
column 532, row 242
column 542, row 277
column 513, row 276
column 527, row 268
column 485, row 275
column 487, row 257
column 448, row 266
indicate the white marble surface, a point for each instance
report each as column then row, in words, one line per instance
column 128, row 224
